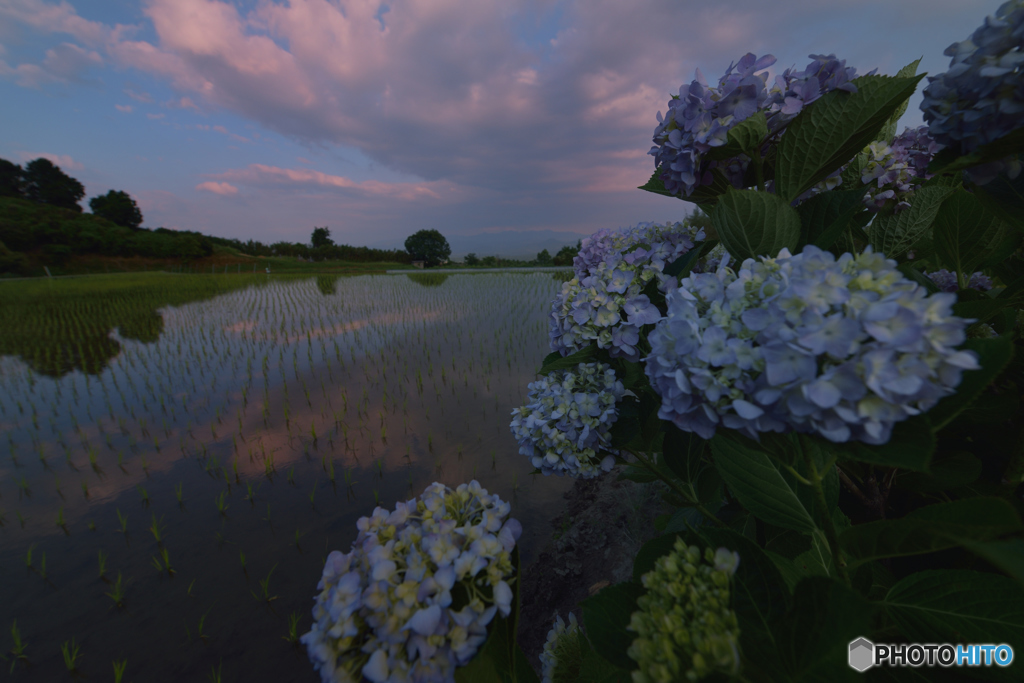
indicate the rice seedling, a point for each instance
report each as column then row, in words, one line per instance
column 18, row 651
column 162, row 561
column 42, row 566
column 123, row 519
column 293, row 629
column 156, row 529
column 60, row 519
column 92, row 525
column 264, row 592
column 145, row 495
column 71, row 652
column 177, row 494
column 28, row 556
column 119, row 667
column 117, row 592
column 216, row 673
column 21, row 519
column 222, row 505
column 102, row 557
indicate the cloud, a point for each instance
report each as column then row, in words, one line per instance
column 65, row 161
column 64, row 63
column 263, row 175
column 58, row 18
column 218, row 188
column 138, row 96
column 126, row 108
column 155, row 117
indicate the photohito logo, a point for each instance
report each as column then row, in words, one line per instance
column 864, row 654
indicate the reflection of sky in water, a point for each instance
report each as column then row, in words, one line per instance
column 258, row 395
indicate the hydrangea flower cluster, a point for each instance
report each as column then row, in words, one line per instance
column 947, row 281
column 568, row 419
column 685, row 628
column 891, row 171
column 412, row 599
column 561, row 644
column 981, row 97
column 603, row 302
column 699, row 118
column 844, row 348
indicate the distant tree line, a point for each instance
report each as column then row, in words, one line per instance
column 564, row 257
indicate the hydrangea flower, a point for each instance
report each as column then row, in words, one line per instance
column 567, row 420
column 843, row 348
column 561, row 645
column 413, row 597
column 947, row 281
column 603, row 301
column 699, row 118
column 981, row 97
column 685, row 628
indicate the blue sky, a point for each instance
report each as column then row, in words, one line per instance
column 512, row 124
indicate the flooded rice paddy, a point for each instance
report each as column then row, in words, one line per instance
column 182, row 452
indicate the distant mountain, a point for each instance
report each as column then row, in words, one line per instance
column 511, row 244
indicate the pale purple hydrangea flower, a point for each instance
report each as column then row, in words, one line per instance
column 699, row 118
column 565, row 425
column 843, row 348
column 947, row 281
column 981, row 97
column 603, row 302
column 384, row 612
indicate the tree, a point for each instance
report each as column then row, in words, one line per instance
column 321, row 237
column 565, row 256
column 544, row 258
column 10, row 179
column 117, row 207
column 429, row 246
column 472, row 259
column 47, row 184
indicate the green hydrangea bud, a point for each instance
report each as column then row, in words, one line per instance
column 685, row 628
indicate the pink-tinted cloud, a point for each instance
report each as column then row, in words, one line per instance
column 126, row 108
column 64, row 161
column 261, row 174
column 218, row 188
column 54, row 18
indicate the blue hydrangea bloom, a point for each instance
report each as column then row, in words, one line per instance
column 385, row 609
column 566, row 422
column 603, row 302
column 699, row 118
column 842, row 348
column 981, row 97
column 947, row 281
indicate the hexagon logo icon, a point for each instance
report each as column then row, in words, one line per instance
column 862, row 654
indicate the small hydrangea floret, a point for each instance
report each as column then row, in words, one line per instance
column 948, row 281
column 565, row 426
column 685, row 627
column 561, row 645
column 412, row 599
column 603, row 302
column 844, row 348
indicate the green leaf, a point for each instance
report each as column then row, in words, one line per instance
column 754, row 480
column 893, row 233
column 584, row 355
column 706, row 196
column 967, row 235
column 949, row 159
column 852, row 172
column 929, row 529
column 683, row 454
column 1005, row 197
column 1007, row 555
column 656, row 185
column 993, row 355
column 888, row 131
column 824, row 217
column 682, row 266
column 752, row 224
column 811, row 641
column 912, row 273
column 605, row 618
column 596, row 669
column 744, row 138
column 832, row 130
column 949, row 472
column 959, row 606
column 910, row 447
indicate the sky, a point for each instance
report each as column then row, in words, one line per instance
column 506, row 125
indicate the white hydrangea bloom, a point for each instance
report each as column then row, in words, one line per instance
column 554, row 642
column 413, row 597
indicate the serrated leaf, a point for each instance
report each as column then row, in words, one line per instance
column 910, row 446
column 968, row 235
column 706, row 196
column 832, row 130
column 606, row 618
column 957, row 605
column 584, row 355
column 656, row 185
column 929, row 529
column 743, row 138
column 890, row 128
column 894, row 233
column 1007, row 555
column 754, row 480
column 824, row 217
column 752, row 224
column 993, row 356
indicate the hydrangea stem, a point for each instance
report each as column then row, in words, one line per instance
column 830, row 528
column 675, row 487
